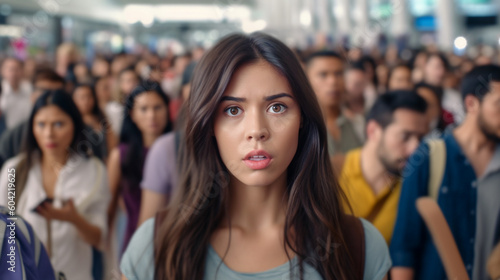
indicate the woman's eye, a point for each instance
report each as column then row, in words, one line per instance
column 277, row 108
column 40, row 124
column 58, row 124
column 233, row 111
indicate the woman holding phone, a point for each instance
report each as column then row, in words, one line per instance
column 257, row 198
column 60, row 189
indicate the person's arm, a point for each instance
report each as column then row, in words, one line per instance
column 114, row 173
column 159, row 176
column 151, row 203
column 111, row 139
column 401, row 273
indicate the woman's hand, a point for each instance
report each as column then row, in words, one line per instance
column 89, row 232
column 67, row 213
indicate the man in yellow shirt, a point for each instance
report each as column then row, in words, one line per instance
column 371, row 175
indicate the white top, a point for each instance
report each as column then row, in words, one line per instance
column 453, row 103
column 16, row 105
column 85, row 181
column 114, row 114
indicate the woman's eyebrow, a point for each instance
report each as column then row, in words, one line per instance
column 232, row 98
column 276, row 96
column 267, row 98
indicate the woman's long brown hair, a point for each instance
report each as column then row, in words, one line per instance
column 314, row 197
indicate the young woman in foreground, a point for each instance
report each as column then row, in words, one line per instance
column 257, row 198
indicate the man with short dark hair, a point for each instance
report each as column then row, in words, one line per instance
column 468, row 193
column 325, row 71
column 16, row 92
column 371, row 175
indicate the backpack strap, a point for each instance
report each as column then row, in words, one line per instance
column 437, row 164
column 354, row 236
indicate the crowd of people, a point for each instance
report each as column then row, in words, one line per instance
column 242, row 161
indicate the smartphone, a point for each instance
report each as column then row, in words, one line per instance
column 49, row 200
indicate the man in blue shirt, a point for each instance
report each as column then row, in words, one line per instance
column 469, row 192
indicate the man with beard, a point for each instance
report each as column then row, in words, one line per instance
column 371, row 175
column 469, row 191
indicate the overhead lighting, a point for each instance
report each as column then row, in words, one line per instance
column 305, row 18
column 164, row 13
column 11, row 31
column 460, row 43
column 253, row 26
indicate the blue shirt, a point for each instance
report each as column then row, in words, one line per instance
column 138, row 261
column 412, row 245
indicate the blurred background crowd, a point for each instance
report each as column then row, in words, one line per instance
column 120, row 72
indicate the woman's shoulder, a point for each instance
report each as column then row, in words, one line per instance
column 377, row 258
column 138, row 260
column 14, row 161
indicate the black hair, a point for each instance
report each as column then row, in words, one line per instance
column 416, row 53
column 49, row 75
column 392, row 69
column 96, row 111
column 368, row 59
column 130, row 134
column 319, row 54
column 438, row 93
column 441, row 57
column 477, row 81
column 79, row 145
column 358, row 65
column 128, row 69
column 383, row 110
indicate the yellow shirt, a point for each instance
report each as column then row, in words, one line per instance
column 362, row 198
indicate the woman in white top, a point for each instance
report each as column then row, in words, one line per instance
column 55, row 165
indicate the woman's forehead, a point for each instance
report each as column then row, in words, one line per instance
column 256, row 80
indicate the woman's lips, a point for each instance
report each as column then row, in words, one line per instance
column 257, row 159
column 51, row 145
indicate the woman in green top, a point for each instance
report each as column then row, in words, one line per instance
column 256, row 198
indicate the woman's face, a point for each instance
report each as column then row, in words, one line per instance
column 401, row 79
column 84, row 100
column 150, row 113
column 53, row 130
column 103, row 90
column 434, row 71
column 128, row 81
column 257, row 125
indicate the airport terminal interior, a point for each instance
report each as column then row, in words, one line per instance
column 250, row 139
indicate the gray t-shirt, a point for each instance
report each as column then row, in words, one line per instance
column 488, row 209
column 349, row 139
column 138, row 260
column 160, row 168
